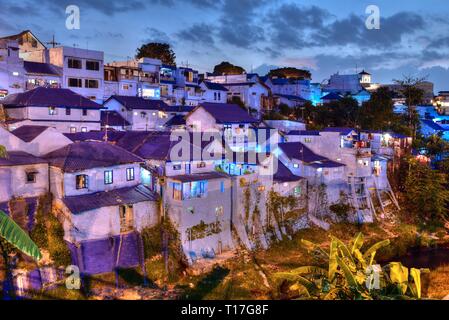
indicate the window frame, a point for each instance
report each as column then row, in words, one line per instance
column 70, row 64
column 130, row 177
column 97, row 63
column 105, row 176
column 85, row 184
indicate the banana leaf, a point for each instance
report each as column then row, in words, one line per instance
column 399, row 276
column 310, row 247
column 333, row 265
column 12, row 233
column 345, row 251
column 3, row 152
column 358, row 242
column 376, row 247
column 352, row 282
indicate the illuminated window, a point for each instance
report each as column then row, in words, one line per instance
column 308, row 140
column 129, row 174
column 72, row 130
column 82, row 181
column 177, row 191
column 297, row 191
column 222, row 187
column 108, row 177
column 201, row 165
column 52, row 111
column 261, row 188
column 83, row 129
column 295, row 165
column 219, row 211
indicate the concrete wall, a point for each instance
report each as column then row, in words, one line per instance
column 14, row 184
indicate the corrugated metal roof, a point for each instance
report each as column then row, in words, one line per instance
column 116, row 197
column 85, row 155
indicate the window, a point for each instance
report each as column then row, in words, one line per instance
column 143, row 114
column 191, row 210
column 84, row 112
column 68, row 111
column 219, row 211
column 297, row 191
column 215, row 96
column 92, row 84
column 177, row 191
column 72, row 130
column 52, row 111
column 83, row 129
column 222, row 187
column 177, row 167
column 261, row 188
column 126, row 218
column 295, row 165
column 219, row 95
column 201, row 165
column 129, row 174
column 31, row 177
column 308, row 140
column 108, row 177
column 75, row 83
column 92, row 65
column 75, row 63
column 82, row 181
column 125, row 87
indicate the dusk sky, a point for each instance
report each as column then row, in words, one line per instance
column 323, row 36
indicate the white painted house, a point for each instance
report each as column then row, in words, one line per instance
column 61, row 109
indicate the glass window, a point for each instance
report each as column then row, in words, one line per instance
column 297, row 191
column 177, row 191
column 75, row 83
column 222, row 187
column 83, row 129
column 129, row 174
column 219, row 211
column 82, row 181
column 72, row 130
column 31, row 177
column 108, row 177
column 75, row 63
column 84, row 112
column 68, row 111
column 92, row 65
column 92, row 84
column 201, row 165
column 52, row 111
column 177, row 167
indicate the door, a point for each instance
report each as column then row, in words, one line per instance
column 188, row 167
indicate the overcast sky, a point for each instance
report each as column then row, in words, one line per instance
column 325, row 36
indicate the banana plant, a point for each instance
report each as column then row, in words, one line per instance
column 351, row 274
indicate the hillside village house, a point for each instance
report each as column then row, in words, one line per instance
column 142, row 114
column 230, row 120
column 12, row 72
column 213, row 92
column 248, row 88
column 62, row 109
column 39, row 74
column 113, row 120
column 102, row 204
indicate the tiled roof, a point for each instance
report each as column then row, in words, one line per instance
column 80, row 156
column 45, row 97
column 113, row 118
column 283, row 174
column 297, row 150
column 228, row 113
column 214, row 86
column 28, row 133
column 18, row 158
column 303, row 133
column 433, row 125
column 200, row 176
column 42, row 68
column 116, row 197
column 179, row 109
column 113, row 136
column 131, row 103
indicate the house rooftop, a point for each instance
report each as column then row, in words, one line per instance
column 80, row 156
column 178, row 120
column 332, row 96
column 112, row 119
column 342, row 130
column 227, row 113
column 45, row 97
column 433, row 125
column 42, row 68
column 139, row 103
column 283, row 174
column 115, row 197
column 303, row 133
column 297, row 150
column 29, row 133
column 200, row 176
column 214, row 86
column 20, row 158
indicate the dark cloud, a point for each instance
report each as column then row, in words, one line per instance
column 156, row 35
column 238, row 25
column 439, row 43
column 198, row 33
column 108, row 7
column 196, row 3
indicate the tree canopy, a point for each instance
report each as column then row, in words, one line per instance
column 156, row 50
column 228, row 68
column 290, row 72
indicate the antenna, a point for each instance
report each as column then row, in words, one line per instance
column 53, row 43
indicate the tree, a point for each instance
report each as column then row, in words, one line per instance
column 290, row 72
column 377, row 113
column 156, row 50
column 351, row 274
column 409, row 88
column 426, row 195
column 226, row 68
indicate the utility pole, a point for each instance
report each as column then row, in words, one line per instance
column 53, row 43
